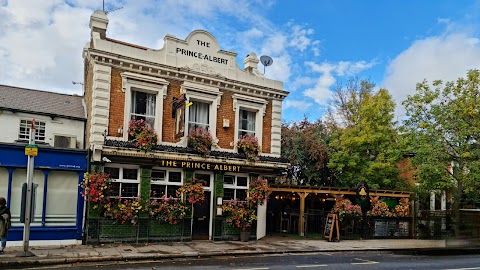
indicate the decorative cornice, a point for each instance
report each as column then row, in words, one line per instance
column 187, row 74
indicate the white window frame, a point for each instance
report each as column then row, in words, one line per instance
column 258, row 105
column 147, row 84
column 210, row 186
column 27, row 130
column 206, row 94
column 235, row 185
column 246, row 130
column 127, row 181
column 166, row 182
column 196, row 123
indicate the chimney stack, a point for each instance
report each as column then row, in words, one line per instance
column 99, row 23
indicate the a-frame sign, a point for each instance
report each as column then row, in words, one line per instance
column 331, row 228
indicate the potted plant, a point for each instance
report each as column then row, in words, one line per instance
column 249, row 146
column 200, row 140
column 241, row 215
column 144, row 137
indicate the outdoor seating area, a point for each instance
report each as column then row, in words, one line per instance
column 302, row 210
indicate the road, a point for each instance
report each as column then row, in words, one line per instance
column 303, row 261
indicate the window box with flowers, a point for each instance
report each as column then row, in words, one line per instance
column 249, row 146
column 144, row 137
column 200, row 140
column 167, row 216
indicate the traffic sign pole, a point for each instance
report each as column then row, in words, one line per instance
column 28, row 198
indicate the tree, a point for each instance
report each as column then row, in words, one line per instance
column 304, row 144
column 443, row 127
column 364, row 139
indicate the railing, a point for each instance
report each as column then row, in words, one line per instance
column 146, row 230
column 188, row 150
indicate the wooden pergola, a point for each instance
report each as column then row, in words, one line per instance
column 304, row 191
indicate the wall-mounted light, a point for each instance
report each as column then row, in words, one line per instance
column 120, row 130
column 219, row 200
column 219, row 211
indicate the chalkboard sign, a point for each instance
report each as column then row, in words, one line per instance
column 331, row 227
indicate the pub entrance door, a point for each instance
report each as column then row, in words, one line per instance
column 201, row 212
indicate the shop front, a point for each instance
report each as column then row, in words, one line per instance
column 58, row 206
column 159, row 174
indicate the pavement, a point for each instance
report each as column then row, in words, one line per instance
column 71, row 255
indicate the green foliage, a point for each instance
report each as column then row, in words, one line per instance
column 304, row 144
column 364, row 139
column 443, row 128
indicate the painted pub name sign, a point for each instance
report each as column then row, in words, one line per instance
column 200, row 165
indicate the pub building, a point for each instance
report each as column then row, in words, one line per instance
column 189, row 83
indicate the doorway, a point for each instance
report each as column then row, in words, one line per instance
column 201, row 212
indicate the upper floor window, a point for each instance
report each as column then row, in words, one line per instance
column 199, row 116
column 143, row 107
column 249, row 112
column 143, row 100
column 25, row 130
column 203, row 111
column 246, row 123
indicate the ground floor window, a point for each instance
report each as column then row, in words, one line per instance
column 235, row 187
column 125, row 181
column 165, row 183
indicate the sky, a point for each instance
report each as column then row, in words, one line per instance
column 316, row 45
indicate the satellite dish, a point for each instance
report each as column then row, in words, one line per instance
column 266, row 61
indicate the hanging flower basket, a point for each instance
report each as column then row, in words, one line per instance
column 258, row 190
column 96, row 187
column 192, row 191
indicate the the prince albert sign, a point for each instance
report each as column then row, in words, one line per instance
column 362, row 190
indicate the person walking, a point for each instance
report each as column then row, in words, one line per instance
column 5, row 223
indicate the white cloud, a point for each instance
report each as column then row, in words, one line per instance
column 446, row 57
column 329, row 72
column 297, row 105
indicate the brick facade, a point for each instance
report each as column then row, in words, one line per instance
column 225, row 111
column 88, row 82
column 117, row 104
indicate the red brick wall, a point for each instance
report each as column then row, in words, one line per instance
column 226, row 135
column 267, row 129
column 88, row 101
column 168, row 128
column 407, row 171
column 117, row 104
